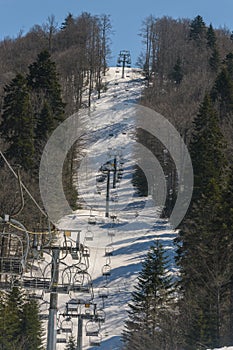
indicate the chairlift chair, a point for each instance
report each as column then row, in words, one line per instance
column 61, row 340
column 89, row 235
column 111, row 233
column 103, row 292
column 95, row 340
column 109, row 251
column 92, row 329
column 100, row 316
column 11, row 266
column 92, row 220
column 67, row 325
column 106, row 270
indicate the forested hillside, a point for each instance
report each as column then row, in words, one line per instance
column 46, row 75
column 52, row 72
column 188, row 66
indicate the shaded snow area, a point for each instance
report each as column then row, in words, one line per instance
column 118, row 234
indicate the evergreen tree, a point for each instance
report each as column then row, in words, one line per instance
column 43, row 81
column 228, row 62
column 211, row 37
column 16, row 127
column 201, row 247
column 69, row 21
column 151, row 301
column 214, row 60
column 197, row 29
column 206, row 149
column 222, row 93
column 31, row 327
column 20, row 326
column 11, row 305
column 177, row 72
column 71, row 344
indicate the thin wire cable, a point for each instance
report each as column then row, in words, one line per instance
column 24, row 187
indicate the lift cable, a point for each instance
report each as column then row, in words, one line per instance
column 23, row 186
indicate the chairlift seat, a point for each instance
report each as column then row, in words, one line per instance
column 89, row 236
column 11, row 265
column 92, row 220
column 95, row 342
column 92, row 333
column 61, row 340
column 106, row 271
column 86, row 252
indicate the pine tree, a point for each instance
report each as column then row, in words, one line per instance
column 43, row 81
column 211, row 37
column 214, row 60
column 177, row 72
column 11, row 305
column 201, row 247
column 151, row 301
column 71, row 344
column 206, row 149
column 31, row 326
column 69, row 21
column 20, row 326
column 16, row 127
column 197, row 29
column 222, row 93
column 228, row 62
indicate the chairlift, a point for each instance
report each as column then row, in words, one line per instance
column 71, row 306
column 95, row 340
column 11, row 266
column 61, row 340
column 92, row 329
column 111, row 233
column 67, row 325
column 36, row 283
column 81, row 282
column 89, row 235
column 109, row 251
column 92, row 220
column 106, row 270
column 86, row 252
column 103, row 292
column 100, row 315
column 100, row 178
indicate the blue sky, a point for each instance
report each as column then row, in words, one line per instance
column 126, row 16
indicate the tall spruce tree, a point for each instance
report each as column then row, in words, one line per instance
column 46, row 96
column 151, row 301
column 197, row 29
column 16, row 127
column 222, row 92
column 211, row 37
column 177, row 72
column 206, row 149
column 11, row 305
column 31, row 327
column 200, row 244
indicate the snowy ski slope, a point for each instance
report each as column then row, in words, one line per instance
column 133, row 223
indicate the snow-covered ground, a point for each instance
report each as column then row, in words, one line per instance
column 133, row 223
